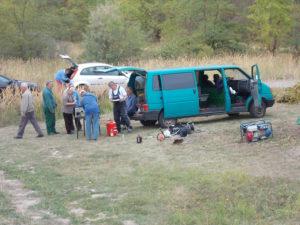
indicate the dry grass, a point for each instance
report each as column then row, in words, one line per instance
column 272, row 67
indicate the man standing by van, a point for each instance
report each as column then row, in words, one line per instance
column 27, row 113
column 118, row 95
column 49, row 105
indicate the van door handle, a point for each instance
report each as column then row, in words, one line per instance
column 194, row 90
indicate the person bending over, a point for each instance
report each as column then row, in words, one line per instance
column 89, row 103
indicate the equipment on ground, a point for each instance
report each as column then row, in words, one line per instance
column 256, row 130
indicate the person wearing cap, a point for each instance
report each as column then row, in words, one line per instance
column 27, row 112
column 89, row 103
column 67, row 109
column 49, row 106
column 117, row 96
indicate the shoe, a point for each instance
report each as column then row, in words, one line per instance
column 129, row 129
column 17, row 137
column 55, row 132
column 40, row 136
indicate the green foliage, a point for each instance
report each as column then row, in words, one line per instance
column 110, row 38
column 155, row 28
column 271, row 22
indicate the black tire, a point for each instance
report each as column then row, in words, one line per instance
column 165, row 123
column 148, row 123
column 258, row 114
column 233, row 114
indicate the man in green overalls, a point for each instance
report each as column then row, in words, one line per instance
column 49, row 106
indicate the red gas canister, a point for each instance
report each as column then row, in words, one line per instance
column 111, row 128
column 249, row 136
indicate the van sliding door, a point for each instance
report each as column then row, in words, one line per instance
column 180, row 95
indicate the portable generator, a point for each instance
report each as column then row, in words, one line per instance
column 256, row 130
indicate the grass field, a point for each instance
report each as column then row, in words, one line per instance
column 212, row 178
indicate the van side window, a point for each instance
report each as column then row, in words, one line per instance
column 156, row 84
column 178, row 81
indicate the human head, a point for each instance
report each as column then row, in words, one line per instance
column 112, row 85
column 129, row 90
column 49, row 84
column 216, row 77
column 69, row 72
column 23, row 87
column 205, row 77
column 70, row 90
column 82, row 92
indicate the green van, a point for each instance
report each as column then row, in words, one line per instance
column 169, row 94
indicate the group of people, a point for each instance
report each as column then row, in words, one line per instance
column 124, row 107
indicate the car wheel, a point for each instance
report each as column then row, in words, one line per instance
column 165, row 123
column 256, row 113
column 148, row 123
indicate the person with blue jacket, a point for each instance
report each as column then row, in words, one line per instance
column 49, row 106
column 89, row 102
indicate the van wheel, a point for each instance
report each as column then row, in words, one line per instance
column 148, row 123
column 254, row 112
column 165, row 123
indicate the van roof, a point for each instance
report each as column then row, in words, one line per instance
column 187, row 69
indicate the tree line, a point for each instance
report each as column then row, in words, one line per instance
column 119, row 30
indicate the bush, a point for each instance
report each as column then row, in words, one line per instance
column 290, row 95
column 110, row 38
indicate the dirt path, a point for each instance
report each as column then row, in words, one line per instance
column 24, row 201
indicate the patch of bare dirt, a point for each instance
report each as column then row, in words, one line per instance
column 24, row 200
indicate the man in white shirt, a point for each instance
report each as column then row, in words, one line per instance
column 27, row 112
column 118, row 95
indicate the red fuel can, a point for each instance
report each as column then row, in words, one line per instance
column 111, row 128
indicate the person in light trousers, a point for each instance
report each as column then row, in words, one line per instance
column 27, row 113
column 89, row 102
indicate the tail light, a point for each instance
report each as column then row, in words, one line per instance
column 145, row 107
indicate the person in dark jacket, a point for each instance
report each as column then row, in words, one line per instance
column 131, row 102
column 89, row 102
column 49, row 106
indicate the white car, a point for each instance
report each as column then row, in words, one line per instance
column 96, row 74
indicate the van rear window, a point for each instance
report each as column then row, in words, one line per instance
column 156, row 84
column 178, row 81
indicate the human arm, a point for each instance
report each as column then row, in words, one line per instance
column 123, row 94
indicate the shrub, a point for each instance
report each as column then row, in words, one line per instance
column 110, row 38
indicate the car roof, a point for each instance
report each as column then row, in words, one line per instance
column 188, row 69
column 127, row 68
column 84, row 65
